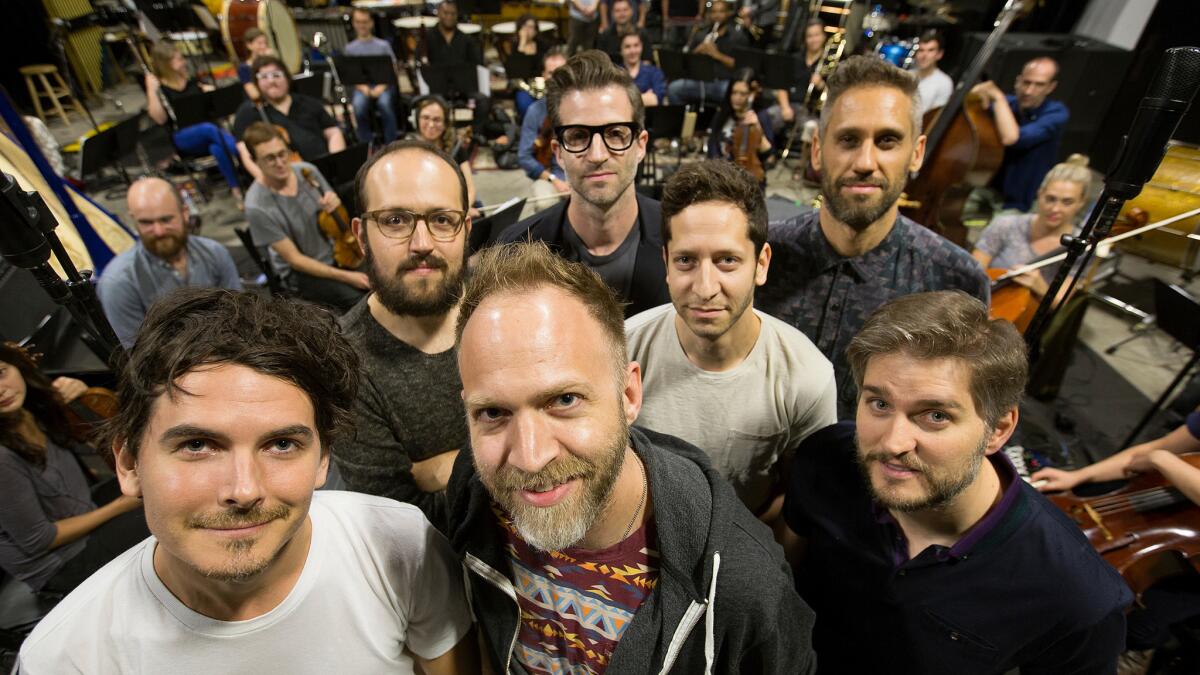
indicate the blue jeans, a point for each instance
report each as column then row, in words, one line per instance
column 387, row 112
column 208, row 138
column 523, row 99
column 695, row 92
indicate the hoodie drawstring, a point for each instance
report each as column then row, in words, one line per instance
column 710, row 616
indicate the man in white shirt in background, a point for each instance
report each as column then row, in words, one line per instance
column 935, row 86
column 230, row 403
column 743, row 386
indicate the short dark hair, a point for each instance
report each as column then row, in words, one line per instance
column 718, row 181
column 524, row 267
column 258, row 133
column 360, row 178
column 949, row 324
column 251, row 35
column 933, row 35
column 591, row 69
column 265, row 60
column 193, row 328
column 362, row 10
column 869, row 71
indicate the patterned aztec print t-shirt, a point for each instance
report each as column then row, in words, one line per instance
column 575, row 603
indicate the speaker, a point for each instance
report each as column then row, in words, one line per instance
column 1089, row 77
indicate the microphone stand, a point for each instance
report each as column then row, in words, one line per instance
column 27, row 239
column 1167, row 100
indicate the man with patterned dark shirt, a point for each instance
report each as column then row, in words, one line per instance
column 837, row 265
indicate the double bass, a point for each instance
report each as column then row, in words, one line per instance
column 1147, row 529
column 962, row 146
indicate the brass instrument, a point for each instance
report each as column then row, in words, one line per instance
column 535, row 86
column 834, row 49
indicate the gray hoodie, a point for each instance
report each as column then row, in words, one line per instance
column 724, row 601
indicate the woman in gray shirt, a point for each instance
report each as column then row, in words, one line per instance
column 52, row 534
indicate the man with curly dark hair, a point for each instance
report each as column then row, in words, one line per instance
column 230, row 406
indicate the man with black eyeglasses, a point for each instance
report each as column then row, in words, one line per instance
column 409, row 418
column 598, row 117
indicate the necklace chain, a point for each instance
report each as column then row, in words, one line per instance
column 641, row 502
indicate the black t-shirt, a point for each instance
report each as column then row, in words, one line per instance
column 190, row 88
column 734, row 37
column 616, row 268
column 305, row 122
column 462, row 48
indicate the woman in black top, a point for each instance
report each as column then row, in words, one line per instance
column 170, row 77
column 52, row 534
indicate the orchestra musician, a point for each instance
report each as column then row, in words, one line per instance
column 647, row 77
column 52, row 534
column 446, row 45
column 740, row 109
column 722, row 35
column 918, row 545
column 434, row 126
column 257, row 45
column 622, row 24
column 169, row 77
column 935, row 86
column 534, row 154
column 282, row 210
column 807, row 72
column 382, row 95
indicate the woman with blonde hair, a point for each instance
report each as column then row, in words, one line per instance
column 170, row 78
column 1011, row 241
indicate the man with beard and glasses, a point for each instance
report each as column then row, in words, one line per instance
column 598, row 116
column 167, row 258
column 590, row 546
column 231, row 404
column 409, row 422
column 919, row 546
column 837, row 265
column 710, row 347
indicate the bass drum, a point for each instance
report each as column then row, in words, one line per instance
column 271, row 17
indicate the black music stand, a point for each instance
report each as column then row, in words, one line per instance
column 677, row 65
column 1177, row 314
column 100, row 150
column 662, row 121
column 453, row 83
column 369, row 70
column 485, row 231
column 340, row 168
column 310, row 84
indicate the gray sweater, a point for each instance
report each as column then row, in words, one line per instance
column 409, row 409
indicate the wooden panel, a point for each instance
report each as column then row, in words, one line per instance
column 1174, row 189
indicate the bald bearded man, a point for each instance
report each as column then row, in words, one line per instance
column 166, row 259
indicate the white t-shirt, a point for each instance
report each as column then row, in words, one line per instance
column 744, row 418
column 378, row 578
column 935, row 90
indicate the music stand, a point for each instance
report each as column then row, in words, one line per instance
column 485, row 231
column 677, row 65
column 662, row 121
column 310, row 84
column 370, row 70
column 1177, row 314
column 522, row 66
column 340, row 167
column 453, row 82
column 748, row 57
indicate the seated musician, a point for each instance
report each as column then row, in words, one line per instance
column 534, row 152
column 525, row 96
column 716, row 41
column 834, row 266
column 231, row 406
column 366, row 96
column 919, row 547
column 446, row 45
column 167, row 258
column 935, row 85
column 1175, row 599
column 436, row 127
column 638, row 11
column 1030, row 125
column 170, row 78
column 622, row 24
column 52, row 534
column 1011, row 241
column 739, row 111
column 527, row 44
column 806, row 73
column 282, row 210
column 256, row 45
column 310, row 129
column 647, row 77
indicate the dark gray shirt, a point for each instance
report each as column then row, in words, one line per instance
column 136, row 278
column 829, row 297
column 31, row 500
column 274, row 217
column 409, row 409
column 616, row 268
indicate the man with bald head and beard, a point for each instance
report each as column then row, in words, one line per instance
column 837, row 265
column 409, row 421
column 166, row 259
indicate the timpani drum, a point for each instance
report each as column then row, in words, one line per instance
column 271, row 17
column 470, row 28
column 191, row 42
column 509, row 28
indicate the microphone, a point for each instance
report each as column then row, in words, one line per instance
column 1157, row 117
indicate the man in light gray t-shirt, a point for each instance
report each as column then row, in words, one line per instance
column 741, row 385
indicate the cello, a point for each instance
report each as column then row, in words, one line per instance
column 962, row 147
column 1147, row 530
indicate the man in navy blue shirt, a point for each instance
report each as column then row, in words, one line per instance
column 917, row 544
column 1030, row 126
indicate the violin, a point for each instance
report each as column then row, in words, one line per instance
column 746, row 140
column 1147, row 529
column 336, row 226
column 88, row 411
column 542, row 151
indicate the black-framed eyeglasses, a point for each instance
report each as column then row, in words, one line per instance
column 577, row 138
column 443, row 224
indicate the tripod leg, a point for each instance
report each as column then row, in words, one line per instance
column 1162, row 400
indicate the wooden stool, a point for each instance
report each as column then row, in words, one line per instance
column 44, row 89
